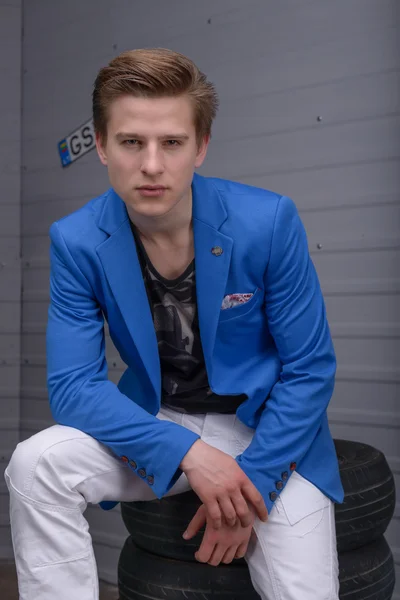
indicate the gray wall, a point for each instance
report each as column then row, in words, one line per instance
column 278, row 67
column 10, row 240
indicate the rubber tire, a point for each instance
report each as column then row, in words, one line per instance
column 142, row 575
column 369, row 504
column 370, row 495
column 367, row 573
column 157, row 526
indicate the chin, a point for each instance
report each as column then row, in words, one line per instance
column 152, row 208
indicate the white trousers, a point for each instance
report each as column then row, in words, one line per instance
column 56, row 473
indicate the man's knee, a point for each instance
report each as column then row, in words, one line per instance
column 41, row 451
column 22, row 463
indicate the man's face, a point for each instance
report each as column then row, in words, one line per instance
column 151, row 142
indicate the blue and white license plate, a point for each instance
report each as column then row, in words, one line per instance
column 77, row 143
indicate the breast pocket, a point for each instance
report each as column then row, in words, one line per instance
column 241, row 310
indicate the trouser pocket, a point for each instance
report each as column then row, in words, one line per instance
column 303, row 504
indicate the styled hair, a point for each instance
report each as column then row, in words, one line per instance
column 154, row 73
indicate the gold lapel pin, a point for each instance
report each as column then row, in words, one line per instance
column 217, row 250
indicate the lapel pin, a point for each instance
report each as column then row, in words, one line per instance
column 217, row 250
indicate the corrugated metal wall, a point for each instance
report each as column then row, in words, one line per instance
column 10, row 241
column 309, row 108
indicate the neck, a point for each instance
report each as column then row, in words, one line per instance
column 167, row 228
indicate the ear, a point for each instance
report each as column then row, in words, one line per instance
column 202, row 151
column 100, row 149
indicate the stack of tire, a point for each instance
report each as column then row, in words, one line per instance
column 157, row 563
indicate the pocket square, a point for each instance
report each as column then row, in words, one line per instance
column 232, row 300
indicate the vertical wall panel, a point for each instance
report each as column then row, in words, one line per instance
column 10, row 272
column 309, row 108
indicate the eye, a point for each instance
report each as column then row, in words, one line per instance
column 128, row 142
column 173, row 143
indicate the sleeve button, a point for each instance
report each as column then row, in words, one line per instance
column 279, row 485
column 293, row 466
column 142, row 472
column 124, row 459
column 285, row 475
column 133, row 464
column 150, row 479
column 273, row 496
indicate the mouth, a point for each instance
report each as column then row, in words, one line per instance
column 152, row 191
column 152, row 187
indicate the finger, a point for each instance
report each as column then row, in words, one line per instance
column 229, row 555
column 196, row 523
column 241, row 551
column 251, row 493
column 228, row 510
column 240, row 505
column 214, row 516
column 242, row 509
column 206, row 550
column 217, row 555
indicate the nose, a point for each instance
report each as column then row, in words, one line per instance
column 152, row 161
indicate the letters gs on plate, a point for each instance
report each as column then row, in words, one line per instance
column 77, row 143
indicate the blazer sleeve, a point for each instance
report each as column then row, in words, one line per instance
column 297, row 321
column 80, row 393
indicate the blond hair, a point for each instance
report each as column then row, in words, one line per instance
column 154, row 73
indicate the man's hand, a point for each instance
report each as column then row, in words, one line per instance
column 222, row 486
column 222, row 545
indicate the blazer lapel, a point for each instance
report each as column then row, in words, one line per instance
column 122, row 268
column 212, row 266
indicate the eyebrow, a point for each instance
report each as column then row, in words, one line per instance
column 135, row 136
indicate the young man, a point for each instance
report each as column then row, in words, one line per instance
column 215, row 307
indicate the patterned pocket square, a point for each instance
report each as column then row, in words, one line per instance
column 232, row 300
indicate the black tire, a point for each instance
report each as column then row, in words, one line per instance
column 370, row 495
column 369, row 504
column 367, row 573
column 157, row 526
column 364, row 574
column 142, row 575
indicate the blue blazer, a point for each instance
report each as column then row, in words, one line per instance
column 276, row 348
